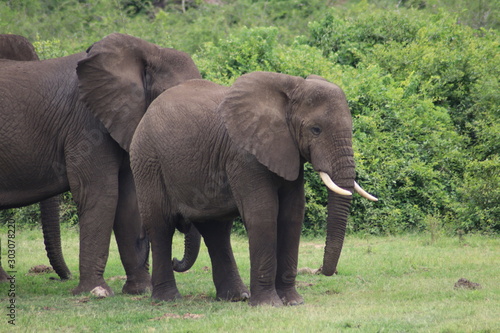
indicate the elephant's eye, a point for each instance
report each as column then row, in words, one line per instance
column 316, row 130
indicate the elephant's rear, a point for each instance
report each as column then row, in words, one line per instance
column 174, row 135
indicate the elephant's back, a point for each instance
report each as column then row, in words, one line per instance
column 192, row 98
column 186, row 110
column 40, row 68
column 45, row 77
column 181, row 123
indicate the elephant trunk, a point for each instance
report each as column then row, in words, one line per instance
column 191, row 249
column 49, row 210
column 338, row 211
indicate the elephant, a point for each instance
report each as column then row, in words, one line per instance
column 17, row 47
column 54, row 143
column 206, row 153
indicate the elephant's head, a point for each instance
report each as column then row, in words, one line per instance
column 16, row 47
column 284, row 120
column 122, row 75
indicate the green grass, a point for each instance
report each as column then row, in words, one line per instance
column 385, row 284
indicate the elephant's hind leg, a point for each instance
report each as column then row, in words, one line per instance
column 160, row 227
column 133, row 244
column 163, row 280
column 227, row 280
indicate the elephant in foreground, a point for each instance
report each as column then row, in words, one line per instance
column 17, row 47
column 206, row 153
column 54, row 143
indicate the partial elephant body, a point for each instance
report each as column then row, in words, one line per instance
column 17, row 47
column 34, row 166
column 195, row 194
column 51, row 142
column 66, row 148
column 207, row 153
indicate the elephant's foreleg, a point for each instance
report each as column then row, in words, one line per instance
column 259, row 205
column 133, row 244
column 95, row 234
column 96, row 196
column 291, row 215
column 227, row 280
column 4, row 277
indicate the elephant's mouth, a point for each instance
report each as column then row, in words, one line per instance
column 340, row 191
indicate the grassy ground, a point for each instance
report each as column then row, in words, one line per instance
column 385, row 284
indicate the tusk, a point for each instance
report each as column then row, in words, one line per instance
column 363, row 193
column 331, row 185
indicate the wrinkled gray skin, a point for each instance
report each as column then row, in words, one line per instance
column 54, row 143
column 17, row 47
column 207, row 153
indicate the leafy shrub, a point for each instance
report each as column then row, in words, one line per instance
column 450, row 64
column 48, row 49
column 425, row 115
column 478, row 205
column 258, row 49
column 402, row 151
column 246, row 51
column 422, row 87
column 351, row 34
column 25, row 215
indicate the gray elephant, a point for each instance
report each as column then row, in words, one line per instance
column 54, row 143
column 206, row 153
column 17, row 47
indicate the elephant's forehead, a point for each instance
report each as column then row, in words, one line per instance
column 319, row 92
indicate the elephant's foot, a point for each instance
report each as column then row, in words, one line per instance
column 169, row 295
column 89, row 286
column 137, row 287
column 265, row 298
column 233, row 294
column 290, row 296
column 4, row 277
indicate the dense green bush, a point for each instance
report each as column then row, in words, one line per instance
column 422, row 86
column 350, row 35
column 258, row 49
column 426, row 119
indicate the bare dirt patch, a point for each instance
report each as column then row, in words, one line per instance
column 40, row 269
column 463, row 283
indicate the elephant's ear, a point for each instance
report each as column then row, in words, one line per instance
column 256, row 112
column 122, row 74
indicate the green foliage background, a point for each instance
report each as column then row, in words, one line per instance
column 421, row 78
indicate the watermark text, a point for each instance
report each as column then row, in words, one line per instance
column 11, row 270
